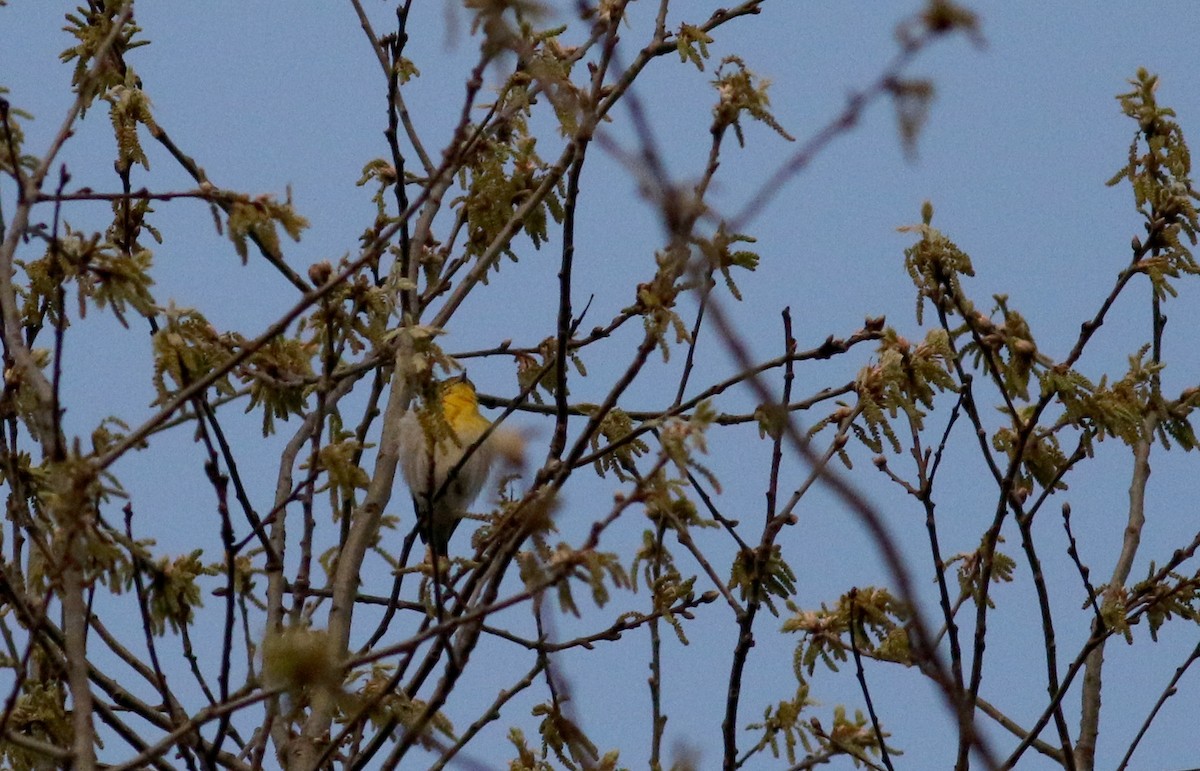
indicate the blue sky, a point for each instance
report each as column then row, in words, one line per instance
column 1019, row 142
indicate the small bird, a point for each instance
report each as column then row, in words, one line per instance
column 430, row 450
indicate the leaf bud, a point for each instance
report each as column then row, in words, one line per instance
column 319, row 272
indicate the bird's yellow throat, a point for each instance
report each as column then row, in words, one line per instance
column 461, row 408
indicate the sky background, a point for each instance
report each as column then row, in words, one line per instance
column 1022, row 136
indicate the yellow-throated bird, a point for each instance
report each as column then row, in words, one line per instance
column 431, row 450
